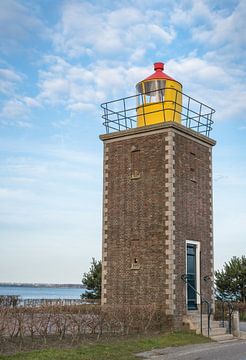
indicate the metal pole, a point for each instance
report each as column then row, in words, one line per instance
column 200, row 290
column 223, row 314
column 209, row 314
column 201, row 315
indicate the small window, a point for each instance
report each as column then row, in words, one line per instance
column 193, row 167
column 135, row 164
column 135, row 261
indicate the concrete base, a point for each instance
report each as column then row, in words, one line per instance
column 216, row 332
column 243, row 335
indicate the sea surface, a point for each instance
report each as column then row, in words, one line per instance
column 26, row 292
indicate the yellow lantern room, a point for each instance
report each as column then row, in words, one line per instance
column 159, row 98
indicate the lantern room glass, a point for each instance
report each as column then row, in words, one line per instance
column 150, row 92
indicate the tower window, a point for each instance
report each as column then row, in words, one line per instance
column 135, row 263
column 135, row 164
column 193, row 167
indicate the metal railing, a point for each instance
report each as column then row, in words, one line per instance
column 55, row 302
column 184, row 277
column 226, row 303
column 7, row 301
column 121, row 114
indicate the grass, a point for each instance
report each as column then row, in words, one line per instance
column 242, row 316
column 112, row 350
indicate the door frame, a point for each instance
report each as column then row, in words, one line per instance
column 198, row 269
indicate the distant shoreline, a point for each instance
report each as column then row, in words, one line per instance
column 42, row 285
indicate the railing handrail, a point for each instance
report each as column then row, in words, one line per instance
column 190, row 111
column 184, row 277
column 221, row 295
column 152, row 91
column 224, row 301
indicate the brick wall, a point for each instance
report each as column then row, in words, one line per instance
column 193, row 209
column 157, row 194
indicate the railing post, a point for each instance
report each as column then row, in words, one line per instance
column 174, row 110
column 201, row 302
column 209, row 315
column 229, row 323
column 223, row 314
column 223, row 301
column 230, row 307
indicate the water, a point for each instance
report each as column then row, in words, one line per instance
column 26, row 292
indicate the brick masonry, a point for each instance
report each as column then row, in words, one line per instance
column 150, row 212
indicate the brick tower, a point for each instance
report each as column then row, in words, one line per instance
column 157, row 202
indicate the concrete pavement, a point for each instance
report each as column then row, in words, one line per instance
column 242, row 325
column 231, row 350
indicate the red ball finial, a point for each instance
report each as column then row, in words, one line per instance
column 159, row 66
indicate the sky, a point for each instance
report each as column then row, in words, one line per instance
column 59, row 60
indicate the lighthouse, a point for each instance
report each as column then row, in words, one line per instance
column 157, row 198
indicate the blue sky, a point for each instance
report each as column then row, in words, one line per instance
column 58, row 61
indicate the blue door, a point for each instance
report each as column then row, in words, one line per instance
column 191, row 277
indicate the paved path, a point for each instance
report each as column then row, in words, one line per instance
column 232, row 350
column 243, row 325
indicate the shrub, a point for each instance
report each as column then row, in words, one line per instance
column 78, row 321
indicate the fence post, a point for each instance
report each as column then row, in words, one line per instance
column 235, row 324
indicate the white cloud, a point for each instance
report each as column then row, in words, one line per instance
column 49, row 186
column 124, row 17
column 14, row 194
column 80, row 106
column 126, row 32
column 216, row 30
column 9, row 79
column 16, row 111
column 194, row 12
column 48, row 166
column 82, row 89
column 222, row 89
column 75, row 157
column 9, row 75
column 225, row 28
column 197, row 70
column 13, row 108
column 93, row 30
column 18, row 23
column 137, row 55
column 54, row 89
column 31, row 102
column 131, row 32
column 166, row 35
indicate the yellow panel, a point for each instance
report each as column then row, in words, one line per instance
column 169, row 110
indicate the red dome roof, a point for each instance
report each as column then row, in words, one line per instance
column 159, row 74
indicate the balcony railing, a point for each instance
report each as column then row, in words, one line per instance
column 121, row 114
